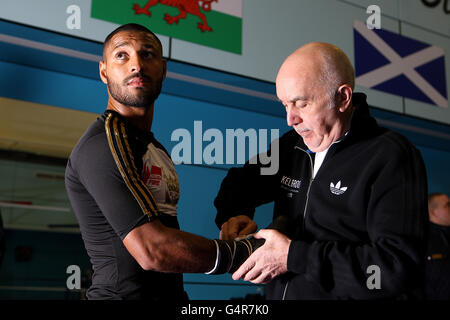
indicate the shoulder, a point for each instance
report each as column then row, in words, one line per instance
column 395, row 143
column 113, row 123
column 92, row 146
column 393, row 150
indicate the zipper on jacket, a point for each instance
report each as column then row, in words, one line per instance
column 309, row 187
column 285, row 289
column 306, row 206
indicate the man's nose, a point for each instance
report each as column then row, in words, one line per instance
column 136, row 63
column 292, row 117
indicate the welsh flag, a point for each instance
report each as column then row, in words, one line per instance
column 212, row 23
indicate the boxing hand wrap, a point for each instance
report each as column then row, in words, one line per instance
column 231, row 253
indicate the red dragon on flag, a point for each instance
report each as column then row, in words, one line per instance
column 184, row 6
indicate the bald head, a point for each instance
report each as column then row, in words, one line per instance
column 315, row 85
column 322, row 64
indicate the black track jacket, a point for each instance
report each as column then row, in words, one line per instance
column 362, row 218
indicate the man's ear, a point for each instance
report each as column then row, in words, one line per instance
column 102, row 71
column 344, row 97
column 433, row 217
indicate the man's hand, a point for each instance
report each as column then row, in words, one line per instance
column 268, row 261
column 237, row 226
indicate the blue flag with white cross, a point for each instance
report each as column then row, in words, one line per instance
column 399, row 65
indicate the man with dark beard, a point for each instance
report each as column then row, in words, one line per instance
column 124, row 189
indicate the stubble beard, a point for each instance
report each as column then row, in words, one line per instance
column 122, row 94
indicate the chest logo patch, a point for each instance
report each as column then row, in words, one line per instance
column 337, row 189
column 152, row 177
column 291, row 183
column 155, row 176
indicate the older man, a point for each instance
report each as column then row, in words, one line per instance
column 352, row 226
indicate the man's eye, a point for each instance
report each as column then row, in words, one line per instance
column 120, row 55
column 147, row 54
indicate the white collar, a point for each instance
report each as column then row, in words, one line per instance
column 320, row 156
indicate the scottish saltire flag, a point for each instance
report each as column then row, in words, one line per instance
column 212, row 23
column 403, row 66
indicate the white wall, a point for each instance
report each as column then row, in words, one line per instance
column 271, row 31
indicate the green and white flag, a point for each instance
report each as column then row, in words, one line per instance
column 212, row 23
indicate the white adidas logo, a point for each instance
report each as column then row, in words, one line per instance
column 336, row 189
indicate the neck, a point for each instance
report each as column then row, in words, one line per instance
column 339, row 130
column 342, row 128
column 346, row 122
column 141, row 118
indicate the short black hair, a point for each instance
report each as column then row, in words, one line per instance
column 130, row 27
